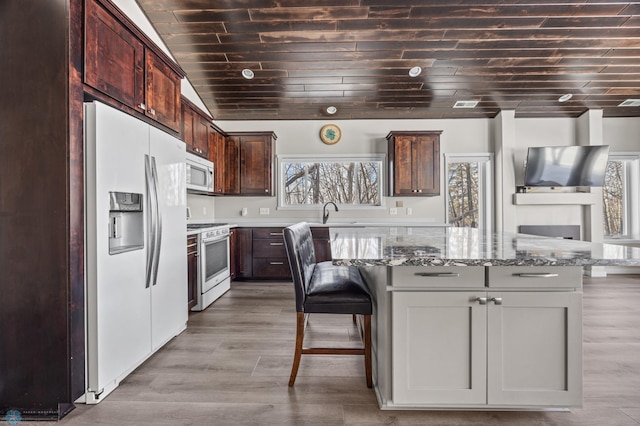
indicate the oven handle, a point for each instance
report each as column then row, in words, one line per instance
column 214, row 239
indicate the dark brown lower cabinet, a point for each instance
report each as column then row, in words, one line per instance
column 259, row 252
column 243, row 253
column 269, row 255
column 192, row 270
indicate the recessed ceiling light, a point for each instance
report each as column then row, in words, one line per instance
column 465, row 104
column 248, row 74
column 565, row 97
column 331, row 109
column 630, row 103
column 415, row 71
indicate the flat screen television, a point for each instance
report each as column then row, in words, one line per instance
column 566, row 165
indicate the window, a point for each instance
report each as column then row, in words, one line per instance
column 620, row 196
column 309, row 182
column 469, row 190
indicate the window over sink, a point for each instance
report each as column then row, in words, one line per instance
column 310, row 181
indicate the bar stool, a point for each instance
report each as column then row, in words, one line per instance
column 325, row 288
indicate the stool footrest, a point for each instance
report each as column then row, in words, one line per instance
column 333, row 351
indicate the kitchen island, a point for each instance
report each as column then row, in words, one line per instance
column 464, row 320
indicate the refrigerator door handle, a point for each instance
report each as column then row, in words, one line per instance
column 150, row 221
column 158, row 223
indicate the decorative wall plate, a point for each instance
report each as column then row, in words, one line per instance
column 330, row 134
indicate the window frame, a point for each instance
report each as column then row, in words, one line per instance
column 631, row 196
column 485, row 186
column 334, row 158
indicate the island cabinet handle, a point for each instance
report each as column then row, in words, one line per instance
column 481, row 300
column 279, row 234
column 538, row 275
column 276, row 244
column 496, row 300
column 276, row 263
column 438, row 274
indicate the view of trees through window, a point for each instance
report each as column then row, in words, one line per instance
column 354, row 182
column 463, row 186
column 613, row 193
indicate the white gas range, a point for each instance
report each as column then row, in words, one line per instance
column 213, row 262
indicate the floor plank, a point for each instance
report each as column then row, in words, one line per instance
column 232, row 364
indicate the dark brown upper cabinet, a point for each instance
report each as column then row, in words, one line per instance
column 195, row 129
column 250, row 156
column 122, row 63
column 414, row 163
column 163, row 92
column 217, row 141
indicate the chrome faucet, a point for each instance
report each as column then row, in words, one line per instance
column 325, row 212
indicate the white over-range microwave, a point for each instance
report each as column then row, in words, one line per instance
column 199, row 174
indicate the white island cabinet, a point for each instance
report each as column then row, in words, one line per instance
column 465, row 320
column 487, row 349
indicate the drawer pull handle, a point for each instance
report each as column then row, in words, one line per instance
column 539, row 275
column 496, row 300
column 279, row 234
column 276, row 263
column 438, row 274
column 276, row 244
column 481, row 300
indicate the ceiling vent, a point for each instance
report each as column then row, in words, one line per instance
column 465, row 104
column 630, row 103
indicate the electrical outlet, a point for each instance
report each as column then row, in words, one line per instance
column 204, row 211
column 393, row 210
column 409, row 211
column 264, row 210
column 244, row 211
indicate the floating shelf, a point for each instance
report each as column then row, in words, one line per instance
column 555, row 198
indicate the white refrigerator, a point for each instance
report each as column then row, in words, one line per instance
column 136, row 269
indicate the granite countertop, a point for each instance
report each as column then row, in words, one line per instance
column 449, row 246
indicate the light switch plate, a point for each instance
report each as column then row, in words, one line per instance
column 264, row 210
column 393, row 210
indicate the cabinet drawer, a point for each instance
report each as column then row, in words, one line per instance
column 270, row 267
column 535, row 276
column 420, row 277
column 269, row 248
column 273, row 233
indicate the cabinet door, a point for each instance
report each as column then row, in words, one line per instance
column 425, row 165
column 255, row 165
column 535, row 349
column 321, row 243
column 439, row 348
column 216, row 153
column 201, row 136
column 162, row 92
column 192, row 271
column 188, row 134
column 403, row 160
column 231, row 166
column 244, row 251
column 114, row 58
column 233, row 254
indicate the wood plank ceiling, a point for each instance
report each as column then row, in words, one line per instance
column 356, row 54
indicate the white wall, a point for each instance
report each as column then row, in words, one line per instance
column 622, row 134
column 358, row 137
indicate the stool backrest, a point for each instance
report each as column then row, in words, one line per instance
column 298, row 242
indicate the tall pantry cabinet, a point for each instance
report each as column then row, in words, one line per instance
column 41, row 208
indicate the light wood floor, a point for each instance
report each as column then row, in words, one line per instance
column 231, row 366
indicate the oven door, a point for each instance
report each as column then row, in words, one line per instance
column 214, row 261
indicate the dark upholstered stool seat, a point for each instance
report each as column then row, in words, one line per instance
column 325, row 288
column 335, row 289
